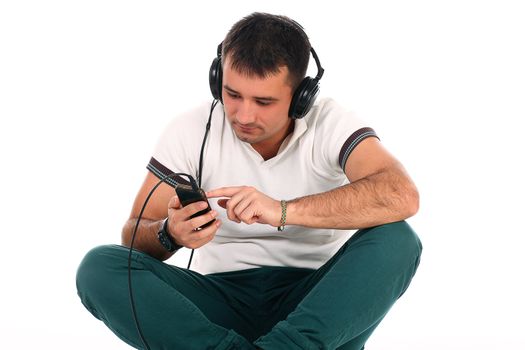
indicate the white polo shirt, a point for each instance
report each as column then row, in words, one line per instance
column 311, row 160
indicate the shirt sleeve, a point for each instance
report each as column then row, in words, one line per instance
column 178, row 148
column 337, row 132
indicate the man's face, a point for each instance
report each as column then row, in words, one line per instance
column 257, row 108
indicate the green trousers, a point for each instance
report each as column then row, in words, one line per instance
column 337, row 306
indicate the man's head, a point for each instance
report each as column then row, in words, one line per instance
column 264, row 58
column 260, row 44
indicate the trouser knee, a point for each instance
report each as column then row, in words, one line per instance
column 96, row 273
column 401, row 247
column 399, row 236
column 395, row 245
column 91, row 270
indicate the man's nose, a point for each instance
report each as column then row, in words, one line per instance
column 246, row 112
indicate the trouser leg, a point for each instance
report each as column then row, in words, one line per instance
column 348, row 296
column 168, row 301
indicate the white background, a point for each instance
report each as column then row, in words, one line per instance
column 87, row 87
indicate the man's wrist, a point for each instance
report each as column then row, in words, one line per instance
column 291, row 208
column 165, row 238
column 282, row 222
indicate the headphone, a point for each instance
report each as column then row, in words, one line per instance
column 302, row 99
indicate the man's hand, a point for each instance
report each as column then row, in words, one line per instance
column 246, row 204
column 184, row 230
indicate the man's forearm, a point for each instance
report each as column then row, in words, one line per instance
column 380, row 198
column 146, row 238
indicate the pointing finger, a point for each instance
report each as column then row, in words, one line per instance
column 223, row 192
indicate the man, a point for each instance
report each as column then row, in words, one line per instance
column 277, row 269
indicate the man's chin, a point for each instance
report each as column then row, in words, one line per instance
column 246, row 138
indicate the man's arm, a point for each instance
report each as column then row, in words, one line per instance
column 162, row 204
column 380, row 192
column 152, row 219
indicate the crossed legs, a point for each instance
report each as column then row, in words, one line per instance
column 335, row 307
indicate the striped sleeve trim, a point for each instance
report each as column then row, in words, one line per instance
column 352, row 142
column 161, row 171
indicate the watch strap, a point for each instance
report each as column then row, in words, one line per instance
column 165, row 238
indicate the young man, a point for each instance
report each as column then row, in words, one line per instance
column 279, row 267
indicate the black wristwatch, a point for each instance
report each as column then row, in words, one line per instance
column 165, row 238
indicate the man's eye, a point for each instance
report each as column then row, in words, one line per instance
column 234, row 96
column 263, row 103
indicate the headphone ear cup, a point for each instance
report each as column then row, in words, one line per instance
column 303, row 98
column 216, row 79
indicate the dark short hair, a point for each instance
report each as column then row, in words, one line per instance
column 261, row 43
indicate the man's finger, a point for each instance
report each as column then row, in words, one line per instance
column 194, row 208
column 174, row 202
column 223, row 192
column 199, row 238
column 203, row 219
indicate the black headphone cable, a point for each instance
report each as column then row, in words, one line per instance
column 199, row 177
column 131, row 299
column 199, row 174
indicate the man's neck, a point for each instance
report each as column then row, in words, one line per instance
column 269, row 149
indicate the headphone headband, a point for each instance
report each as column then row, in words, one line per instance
column 320, row 69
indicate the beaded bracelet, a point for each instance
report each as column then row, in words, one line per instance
column 283, row 216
